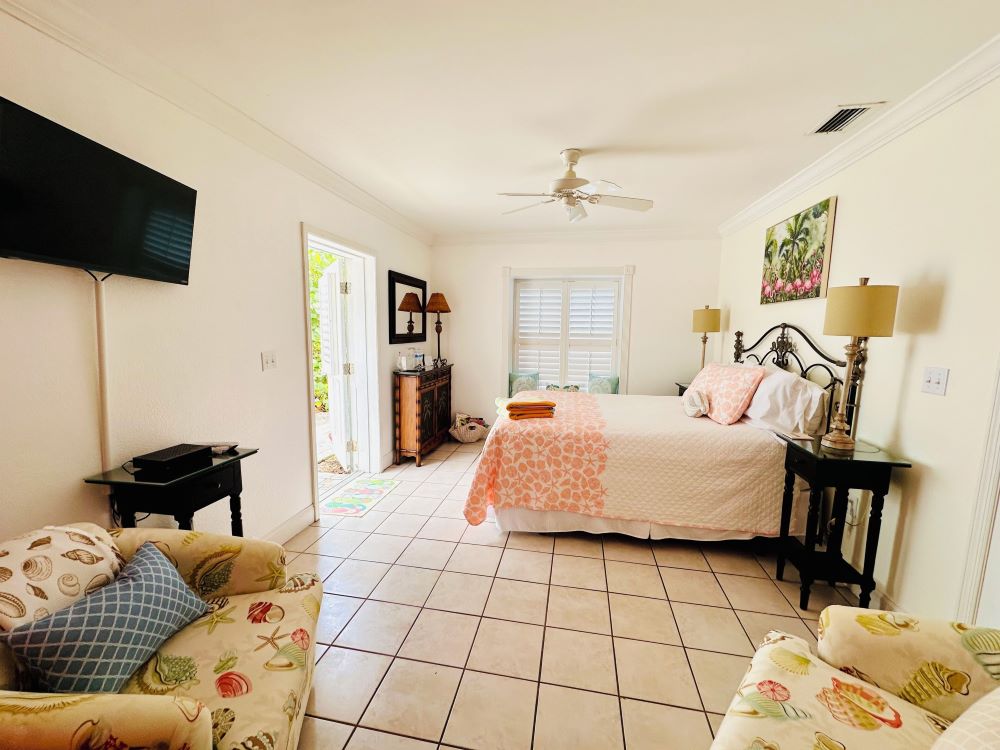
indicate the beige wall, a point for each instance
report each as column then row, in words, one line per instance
column 919, row 213
column 672, row 277
column 184, row 362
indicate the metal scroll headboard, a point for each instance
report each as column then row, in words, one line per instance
column 783, row 351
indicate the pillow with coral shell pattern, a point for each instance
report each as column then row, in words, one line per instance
column 48, row 569
column 729, row 389
column 602, row 384
column 567, row 388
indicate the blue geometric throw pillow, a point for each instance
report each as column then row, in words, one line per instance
column 95, row 644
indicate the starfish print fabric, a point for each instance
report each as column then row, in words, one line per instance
column 249, row 659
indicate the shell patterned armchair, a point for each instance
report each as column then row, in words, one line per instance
column 881, row 680
column 237, row 677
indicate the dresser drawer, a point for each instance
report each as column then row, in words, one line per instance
column 214, row 485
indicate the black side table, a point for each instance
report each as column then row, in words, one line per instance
column 182, row 496
column 681, row 387
column 867, row 468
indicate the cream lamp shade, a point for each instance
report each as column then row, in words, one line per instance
column 705, row 320
column 860, row 310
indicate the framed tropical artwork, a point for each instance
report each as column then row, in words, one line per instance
column 797, row 255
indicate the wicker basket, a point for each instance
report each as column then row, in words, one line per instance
column 468, row 432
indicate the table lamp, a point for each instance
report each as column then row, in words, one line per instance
column 410, row 304
column 438, row 304
column 705, row 321
column 859, row 312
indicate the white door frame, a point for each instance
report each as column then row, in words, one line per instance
column 369, row 431
column 985, row 519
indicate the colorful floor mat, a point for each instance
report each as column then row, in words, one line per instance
column 357, row 497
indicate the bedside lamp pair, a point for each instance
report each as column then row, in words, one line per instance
column 861, row 312
column 436, row 304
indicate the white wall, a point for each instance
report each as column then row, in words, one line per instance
column 672, row 277
column 184, row 361
column 918, row 213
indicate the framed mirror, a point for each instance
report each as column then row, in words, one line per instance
column 407, row 309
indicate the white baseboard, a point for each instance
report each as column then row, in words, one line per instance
column 292, row 526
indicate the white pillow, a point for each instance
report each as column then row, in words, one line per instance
column 978, row 728
column 695, row 403
column 788, row 403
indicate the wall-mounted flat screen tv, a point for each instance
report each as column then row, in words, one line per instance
column 68, row 200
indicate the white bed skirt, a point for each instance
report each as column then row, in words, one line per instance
column 548, row 521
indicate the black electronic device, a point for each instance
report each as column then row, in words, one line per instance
column 68, row 200
column 175, row 461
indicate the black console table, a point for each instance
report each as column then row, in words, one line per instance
column 181, row 496
column 866, row 468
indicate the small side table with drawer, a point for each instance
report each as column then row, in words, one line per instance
column 866, row 468
column 181, row 496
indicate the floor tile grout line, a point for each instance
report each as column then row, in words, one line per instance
column 614, row 647
column 541, row 651
column 465, row 667
column 680, row 637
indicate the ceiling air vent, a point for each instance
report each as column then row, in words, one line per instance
column 844, row 116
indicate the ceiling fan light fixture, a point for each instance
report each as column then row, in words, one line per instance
column 576, row 212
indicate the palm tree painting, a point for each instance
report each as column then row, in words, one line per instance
column 797, row 255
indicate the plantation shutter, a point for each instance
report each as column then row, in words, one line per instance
column 538, row 330
column 566, row 330
column 593, row 331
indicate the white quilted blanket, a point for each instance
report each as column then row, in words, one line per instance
column 636, row 458
column 668, row 468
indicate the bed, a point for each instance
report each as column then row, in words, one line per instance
column 637, row 465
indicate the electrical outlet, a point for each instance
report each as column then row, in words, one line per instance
column 268, row 360
column 935, row 380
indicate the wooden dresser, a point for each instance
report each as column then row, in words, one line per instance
column 422, row 408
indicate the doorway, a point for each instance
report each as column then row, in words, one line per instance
column 341, row 358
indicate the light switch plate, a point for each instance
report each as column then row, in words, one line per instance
column 268, row 360
column 935, row 381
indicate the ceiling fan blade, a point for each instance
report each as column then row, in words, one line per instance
column 619, row 201
column 600, row 186
column 576, row 213
column 529, row 195
column 530, row 205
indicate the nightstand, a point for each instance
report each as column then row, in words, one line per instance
column 866, row 468
column 681, row 387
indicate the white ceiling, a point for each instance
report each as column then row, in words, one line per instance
column 434, row 106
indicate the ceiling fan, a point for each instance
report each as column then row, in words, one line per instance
column 573, row 192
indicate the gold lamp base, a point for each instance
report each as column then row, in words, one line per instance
column 838, row 438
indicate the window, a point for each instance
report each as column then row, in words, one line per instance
column 567, row 329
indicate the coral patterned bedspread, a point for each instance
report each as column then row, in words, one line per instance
column 637, row 458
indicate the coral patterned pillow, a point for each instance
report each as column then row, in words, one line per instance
column 729, row 389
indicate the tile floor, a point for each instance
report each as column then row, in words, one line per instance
column 436, row 634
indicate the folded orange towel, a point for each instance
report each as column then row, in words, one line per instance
column 531, row 405
column 542, row 415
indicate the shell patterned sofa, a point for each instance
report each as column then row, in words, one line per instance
column 238, row 676
column 880, row 681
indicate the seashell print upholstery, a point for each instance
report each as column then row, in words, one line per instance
column 880, row 681
column 213, row 565
column 40, row 571
column 941, row 666
column 789, row 698
column 238, row 677
column 40, row 721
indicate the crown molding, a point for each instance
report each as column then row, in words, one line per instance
column 568, row 234
column 971, row 73
column 76, row 29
